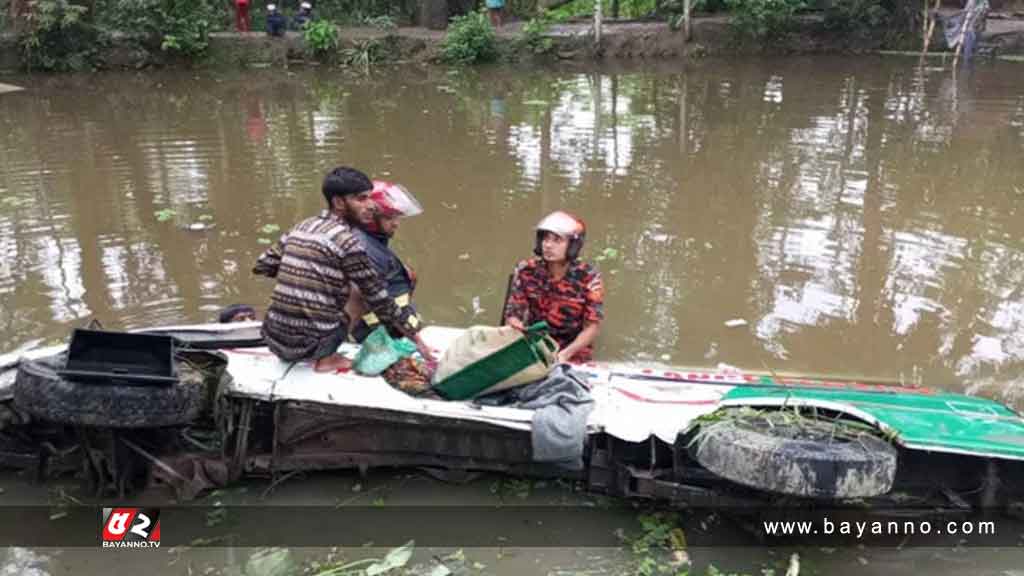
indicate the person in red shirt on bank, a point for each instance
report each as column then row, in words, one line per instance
column 558, row 288
column 242, row 15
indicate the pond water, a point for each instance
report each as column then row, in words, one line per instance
column 862, row 216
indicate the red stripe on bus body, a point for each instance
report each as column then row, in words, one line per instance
column 640, row 398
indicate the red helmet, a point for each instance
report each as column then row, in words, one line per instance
column 565, row 225
column 393, row 200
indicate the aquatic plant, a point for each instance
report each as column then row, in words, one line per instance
column 470, row 40
column 364, row 54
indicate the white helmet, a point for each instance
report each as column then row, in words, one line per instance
column 565, row 225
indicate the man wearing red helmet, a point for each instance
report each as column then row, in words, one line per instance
column 391, row 202
column 556, row 287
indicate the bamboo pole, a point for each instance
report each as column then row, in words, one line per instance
column 968, row 21
column 686, row 20
column 929, row 25
column 597, row 24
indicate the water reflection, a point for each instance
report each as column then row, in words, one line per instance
column 861, row 215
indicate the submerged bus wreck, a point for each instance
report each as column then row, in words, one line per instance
column 683, row 437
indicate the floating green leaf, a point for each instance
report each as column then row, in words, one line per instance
column 206, row 217
column 264, row 240
column 607, row 254
column 270, row 228
column 164, row 215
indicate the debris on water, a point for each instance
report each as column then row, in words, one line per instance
column 357, row 487
column 270, row 562
column 452, row 206
column 199, row 226
column 666, row 357
column 264, row 241
column 270, row 228
column 6, row 88
column 396, row 558
column 863, row 561
column 607, row 254
column 477, row 309
column 735, row 322
column 712, row 351
column 464, row 256
column 164, row 215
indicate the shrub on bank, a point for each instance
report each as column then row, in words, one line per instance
column 764, row 19
column 534, row 36
column 470, row 39
column 177, row 26
column 57, row 36
column 858, row 18
column 321, row 37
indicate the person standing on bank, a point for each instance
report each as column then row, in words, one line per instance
column 316, row 264
column 242, row 15
column 559, row 288
column 391, row 202
column 494, row 10
column 304, row 17
column 276, row 22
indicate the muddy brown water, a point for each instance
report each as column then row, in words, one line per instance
column 861, row 215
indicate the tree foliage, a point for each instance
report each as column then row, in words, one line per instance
column 57, row 36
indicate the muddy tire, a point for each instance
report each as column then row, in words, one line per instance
column 811, row 461
column 40, row 392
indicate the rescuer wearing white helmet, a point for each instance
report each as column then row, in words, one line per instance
column 557, row 287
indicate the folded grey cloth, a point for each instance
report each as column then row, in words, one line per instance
column 561, row 404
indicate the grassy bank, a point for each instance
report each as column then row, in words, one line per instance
column 136, row 34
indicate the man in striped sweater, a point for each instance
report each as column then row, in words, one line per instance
column 315, row 264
